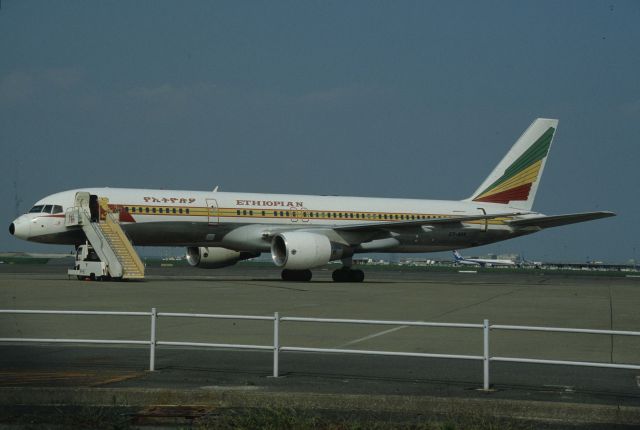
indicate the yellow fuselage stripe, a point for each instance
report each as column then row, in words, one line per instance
column 260, row 213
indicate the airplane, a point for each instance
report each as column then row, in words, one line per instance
column 459, row 259
column 303, row 232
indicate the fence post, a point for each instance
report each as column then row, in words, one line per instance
column 276, row 343
column 485, row 355
column 152, row 342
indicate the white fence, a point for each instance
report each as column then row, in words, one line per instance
column 276, row 347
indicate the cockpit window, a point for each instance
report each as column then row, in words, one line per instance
column 36, row 209
column 57, row 209
column 47, row 209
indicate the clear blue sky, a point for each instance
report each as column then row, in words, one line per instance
column 392, row 99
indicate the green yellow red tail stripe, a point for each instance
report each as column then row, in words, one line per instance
column 518, row 178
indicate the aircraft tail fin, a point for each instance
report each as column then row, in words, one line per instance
column 514, row 181
column 457, row 256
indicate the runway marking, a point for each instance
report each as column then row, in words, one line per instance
column 279, row 287
column 116, row 379
column 371, row 336
column 475, row 304
column 391, row 330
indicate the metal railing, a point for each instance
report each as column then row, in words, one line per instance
column 276, row 347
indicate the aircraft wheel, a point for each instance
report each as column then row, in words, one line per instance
column 296, row 275
column 339, row 275
column 347, row 275
column 356, row 275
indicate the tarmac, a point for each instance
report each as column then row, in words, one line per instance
column 36, row 374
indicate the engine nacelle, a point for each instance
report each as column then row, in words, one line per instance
column 300, row 250
column 215, row 257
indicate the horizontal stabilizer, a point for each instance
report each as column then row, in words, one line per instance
column 558, row 220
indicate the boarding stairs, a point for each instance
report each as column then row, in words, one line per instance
column 109, row 241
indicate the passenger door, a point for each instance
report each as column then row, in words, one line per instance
column 212, row 211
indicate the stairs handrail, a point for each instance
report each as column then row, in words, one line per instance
column 103, row 249
column 110, row 219
column 86, row 220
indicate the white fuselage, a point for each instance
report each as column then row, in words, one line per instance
column 241, row 221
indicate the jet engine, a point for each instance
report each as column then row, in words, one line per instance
column 215, row 257
column 299, row 250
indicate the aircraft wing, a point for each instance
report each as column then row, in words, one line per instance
column 427, row 222
column 558, row 220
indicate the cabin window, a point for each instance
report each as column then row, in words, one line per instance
column 250, row 212
column 263, row 213
column 187, row 210
column 287, row 213
column 180, row 210
column 153, row 210
column 147, row 210
column 174, row 210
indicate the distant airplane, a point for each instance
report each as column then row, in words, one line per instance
column 483, row 262
column 303, row 232
column 529, row 263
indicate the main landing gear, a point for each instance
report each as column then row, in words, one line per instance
column 343, row 274
column 346, row 274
